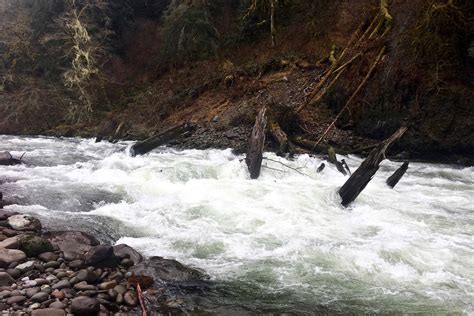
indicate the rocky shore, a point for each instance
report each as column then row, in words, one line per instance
column 70, row 273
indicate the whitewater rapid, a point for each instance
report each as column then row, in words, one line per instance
column 283, row 242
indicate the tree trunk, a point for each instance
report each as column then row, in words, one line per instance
column 397, row 175
column 143, row 147
column 362, row 176
column 254, row 156
column 6, row 159
column 280, row 136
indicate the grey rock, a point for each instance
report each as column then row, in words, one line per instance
column 130, row 298
column 126, row 252
column 98, row 254
column 127, row 263
column 58, row 294
column 112, row 294
column 71, row 256
column 84, row 306
column 6, row 279
column 40, row 297
column 57, row 304
column 32, row 291
column 24, row 222
column 72, row 241
column 35, row 245
column 83, row 286
column 8, row 256
column 86, row 275
column 12, row 242
column 63, row 284
column 27, row 266
column 120, row 289
column 17, row 299
column 108, row 285
column 52, row 264
column 48, row 312
column 4, row 294
column 119, row 299
column 76, row 264
column 48, row 256
column 41, row 281
column 14, row 273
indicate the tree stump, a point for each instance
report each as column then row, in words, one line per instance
column 254, row 155
column 397, row 175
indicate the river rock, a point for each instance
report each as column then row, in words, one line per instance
column 85, row 306
column 57, row 304
column 48, row 256
column 72, row 241
column 76, row 264
column 130, row 298
column 52, row 264
column 17, row 299
column 14, row 273
column 40, row 297
column 24, row 222
column 27, row 266
column 48, row 312
column 58, row 294
column 32, row 291
column 35, row 245
column 87, row 275
column 6, row 279
column 4, row 215
column 166, row 270
column 107, row 285
column 6, row 159
column 120, row 289
column 63, row 284
column 124, row 251
column 12, row 242
column 8, row 256
column 98, row 254
column 83, row 286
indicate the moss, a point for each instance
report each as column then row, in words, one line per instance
column 33, row 246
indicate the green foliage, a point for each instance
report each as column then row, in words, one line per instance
column 188, row 32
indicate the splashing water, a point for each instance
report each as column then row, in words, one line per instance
column 281, row 243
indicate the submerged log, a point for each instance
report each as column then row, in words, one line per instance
column 254, row 155
column 173, row 133
column 280, row 136
column 6, row 159
column 397, row 175
column 362, row 176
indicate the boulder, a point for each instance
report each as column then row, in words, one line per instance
column 6, row 159
column 126, row 252
column 24, row 222
column 12, row 242
column 85, row 306
column 73, row 242
column 35, row 245
column 167, row 270
column 98, row 254
column 8, row 256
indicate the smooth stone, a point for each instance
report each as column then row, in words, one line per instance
column 57, row 304
column 85, row 306
column 12, row 242
column 48, row 256
column 126, row 252
column 49, row 270
column 17, row 299
column 27, row 266
column 41, row 281
column 58, row 294
column 14, row 273
column 10, row 232
column 34, row 306
column 29, row 283
column 32, row 291
column 35, row 245
column 63, row 284
column 87, row 275
column 103, row 296
column 40, row 297
column 71, row 256
column 119, row 298
column 120, row 289
column 52, row 264
column 51, row 278
column 127, row 263
column 117, row 276
column 98, row 253
column 130, row 298
column 83, row 286
column 108, row 285
column 9, row 256
column 72, row 241
column 48, row 312
column 4, row 294
column 74, row 280
column 6, row 279
column 61, row 275
column 112, row 294
column 76, row 264
column 24, row 222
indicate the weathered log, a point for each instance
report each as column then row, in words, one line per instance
column 280, row 136
column 397, row 175
column 343, row 162
column 321, row 167
column 362, row 176
column 254, row 155
column 6, row 159
column 173, row 133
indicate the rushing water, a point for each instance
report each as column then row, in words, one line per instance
column 280, row 244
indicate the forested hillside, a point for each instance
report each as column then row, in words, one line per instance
column 343, row 73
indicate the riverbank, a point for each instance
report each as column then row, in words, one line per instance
column 70, row 272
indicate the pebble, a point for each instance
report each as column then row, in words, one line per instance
column 41, row 281
column 32, row 291
column 119, row 298
column 35, row 306
column 83, row 286
column 58, row 294
column 120, row 289
column 76, row 264
column 84, row 306
column 130, row 298
column 51, row 278
column 17, row 299
column 108, row 285
column 40, row 297
column 6, row 279
column 57, row 304
column 61, row 285
column 87, row 275
column 112, row 294
column 127, row 263
column 4, row 294
column 52, row 264
column 48, row 257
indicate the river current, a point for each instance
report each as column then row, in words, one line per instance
column 279, row 244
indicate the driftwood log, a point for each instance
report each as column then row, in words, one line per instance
column 254, row 155
column 280, row 137
column 173, row 133
column 6, row 159
column 362, row 176
column 397, row 175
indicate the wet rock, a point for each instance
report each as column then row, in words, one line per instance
column 12, row 242
column 6, row 159
column 48, row 312
column 72, row 241
column 32, row 291
column 87, row 275
column 8, row 256
column 52, row 264
column 27, row 266
column 63, row 284
column 35, row 245
column 9, row 232
column 127, row 263
column 130, row 298
column 126, row 252
column 6, row 279
column 48, row 256
column 4, row 215
column 40, row 297
column 71, row 256
column 98, row 254
column 17, row 299
column 166, row 270
column 76, row 264
column 24, row 222
column 14, row 273
column 84, row 306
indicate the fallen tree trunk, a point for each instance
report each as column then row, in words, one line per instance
column 143, row 147
column 254, row 155
column 362, row 176
column 397, row 175
column 280, row 136
column 6, row 159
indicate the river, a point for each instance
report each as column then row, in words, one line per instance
column 280, row 244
